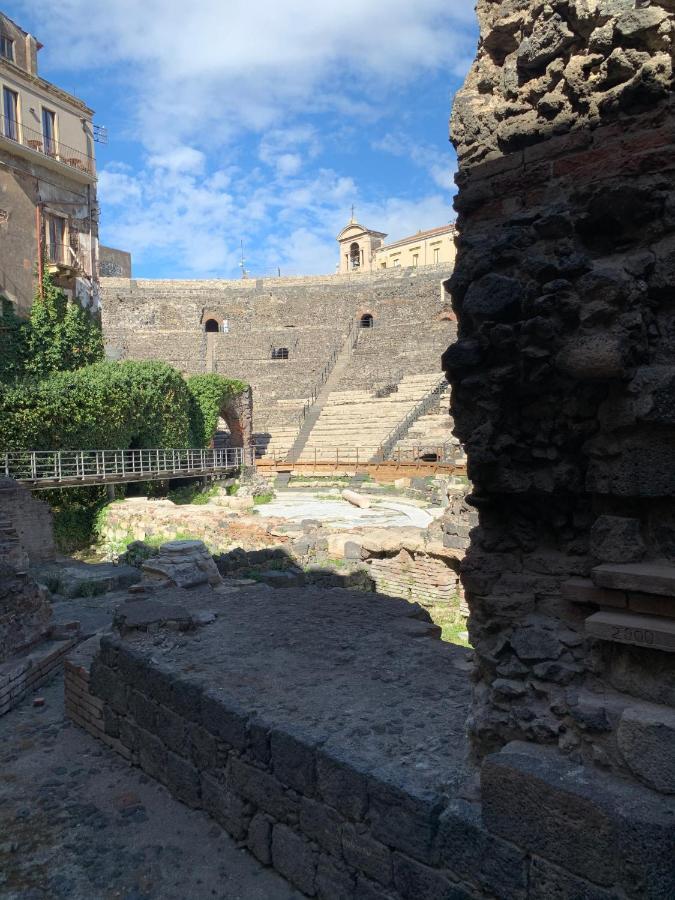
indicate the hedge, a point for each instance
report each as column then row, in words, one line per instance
column 112, row 405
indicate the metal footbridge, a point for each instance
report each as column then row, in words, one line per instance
column 42, row 469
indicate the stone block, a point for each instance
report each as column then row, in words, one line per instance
column 293, row 857
column 259, row 742
column 172, row 731
column 616, row 539
column 647, row 577
column 152, row 755
column 646, row 739
column 369, row 856
column 368, row 890
column 225, row 806
column 536, row 798
column 474, row 854
column 185, row 696
column 183, row 780
column 404, row 819
column 582, row 590
column 204, row 748
column 651, row 604
column 415, row 881
column 549, row 882
column 261, row 788
column 105, row 683
column 333, row 881
column 293, row 762
column 341, row 786
column 259, row 838
column 653, row 632
column 143, row 711
column 223, row 720
column 322, row 824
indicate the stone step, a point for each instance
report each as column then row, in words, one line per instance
column 657, row 577
column 654, row 632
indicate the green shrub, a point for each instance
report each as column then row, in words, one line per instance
column 260, row 499
column 13, row 342
column 106, row 405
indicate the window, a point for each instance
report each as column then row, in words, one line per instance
column 383, row 265
column 354, row 256
column 397, row 262
column 56, row 235
column 280, row 353
column 225, row 327
column 366, row 321
column 49, row 131
column 10, row 112
column 416, row 260
column 437, row 254
column 211, row 326
column 6, row 47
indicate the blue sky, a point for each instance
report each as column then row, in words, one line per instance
column 231, row 120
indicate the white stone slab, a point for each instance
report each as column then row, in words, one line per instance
column 653, row 632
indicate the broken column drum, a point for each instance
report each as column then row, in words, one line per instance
column 563, row 377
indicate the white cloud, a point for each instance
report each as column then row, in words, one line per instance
column 224, row 99
column 204, row 72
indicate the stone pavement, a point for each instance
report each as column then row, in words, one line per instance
column 77, row 821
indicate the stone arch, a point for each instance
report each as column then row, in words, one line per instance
column 238, row 416
column 366, row 320
column 211, row 326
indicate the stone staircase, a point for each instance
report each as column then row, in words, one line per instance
column 314, row 412
column 360, row 420
column 430, row 434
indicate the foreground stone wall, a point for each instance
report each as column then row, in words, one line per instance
column 563, row 376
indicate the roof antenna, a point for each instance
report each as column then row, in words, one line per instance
column 244, row 273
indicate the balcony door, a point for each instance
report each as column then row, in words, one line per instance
column 49, row 131
column 56, row 239
column 10, row 113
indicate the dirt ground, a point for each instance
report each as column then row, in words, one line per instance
column 77, row 822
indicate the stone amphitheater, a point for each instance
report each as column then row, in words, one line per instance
column 321, row 380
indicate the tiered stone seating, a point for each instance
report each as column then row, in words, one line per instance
column 359, row 419
column 431, row 433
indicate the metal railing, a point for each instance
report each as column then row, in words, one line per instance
column 423, row 455
column 68, row 468
column 348, row 344
column 47, row 146
column 388, row 444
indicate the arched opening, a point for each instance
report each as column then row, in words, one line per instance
column 354, row 256
column 280, row 353
column 366, row 321
column 211, row 325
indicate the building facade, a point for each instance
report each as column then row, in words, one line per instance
column 364, row 250
column 48, row 209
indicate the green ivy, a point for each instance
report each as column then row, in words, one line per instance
column 13, row 342
column 210, row 393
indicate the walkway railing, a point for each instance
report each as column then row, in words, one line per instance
column 48, row 146
column 69, row 468
column 420, row 453
column 403, row 427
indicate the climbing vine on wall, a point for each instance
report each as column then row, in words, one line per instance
column 210, row 393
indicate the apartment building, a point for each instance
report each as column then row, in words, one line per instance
column 48, row 209
column 364, row 250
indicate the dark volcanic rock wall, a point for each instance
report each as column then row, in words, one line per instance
column 564, row 373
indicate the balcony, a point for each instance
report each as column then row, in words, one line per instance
column 62, row 259
column 28, row 142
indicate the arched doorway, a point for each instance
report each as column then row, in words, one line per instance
column 211, row 326
column 366, row 321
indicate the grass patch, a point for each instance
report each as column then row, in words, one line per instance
column 452, row 622
column 261, row 499
column 192, row 494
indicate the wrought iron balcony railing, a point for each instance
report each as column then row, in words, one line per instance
column 35, row 140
